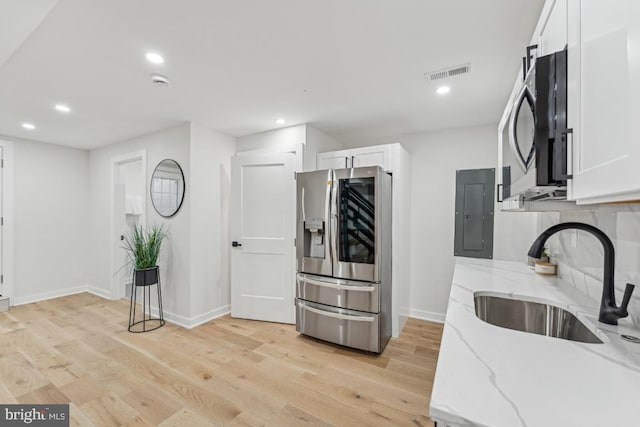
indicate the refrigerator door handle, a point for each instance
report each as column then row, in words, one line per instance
column 339, row 286
column 336, row 315
column 333, row 212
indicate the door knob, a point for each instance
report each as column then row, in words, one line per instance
column 235, row 244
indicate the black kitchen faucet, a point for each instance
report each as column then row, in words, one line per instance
column 609, row 311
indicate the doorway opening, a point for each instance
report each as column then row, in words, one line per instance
column 4, row 298
column 128, row 203
column 6, row 225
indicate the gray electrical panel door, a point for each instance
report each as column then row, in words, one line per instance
column 474, row 213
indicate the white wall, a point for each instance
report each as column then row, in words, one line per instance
column 317, row 142
column 210, row 188
column 51, row 220
column 305, row 140
column 278, row 140
column 581, row 257
column 175, row 258
column 194, row 263
column 435, row 157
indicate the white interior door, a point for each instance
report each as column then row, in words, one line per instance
column 262, row 229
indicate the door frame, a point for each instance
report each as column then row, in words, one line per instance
column 116, row 291
column 6, row 211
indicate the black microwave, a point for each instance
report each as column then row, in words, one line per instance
column 534, row 141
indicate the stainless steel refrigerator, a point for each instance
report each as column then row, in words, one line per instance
column 343, row 251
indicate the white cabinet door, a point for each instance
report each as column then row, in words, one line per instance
column 553, row 33
column 604, row 84
column 262, row 228
column 334, row 160
column 379, row 155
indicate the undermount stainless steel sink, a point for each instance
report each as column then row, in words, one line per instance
column 533, row 317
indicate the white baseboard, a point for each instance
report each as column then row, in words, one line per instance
column 48, row 295
column 99, row 292
column 210, row 315
column 427, row 315
column 190, row 323
column 177, row 319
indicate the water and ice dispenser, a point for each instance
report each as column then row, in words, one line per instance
column 314, row 238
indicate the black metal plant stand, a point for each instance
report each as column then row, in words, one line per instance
column 145, row 279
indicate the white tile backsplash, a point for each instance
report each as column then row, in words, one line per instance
column 580, row 256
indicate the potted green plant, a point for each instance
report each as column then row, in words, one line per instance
column 143, row 247
column 545, row 255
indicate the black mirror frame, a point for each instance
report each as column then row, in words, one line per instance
column 184, row 189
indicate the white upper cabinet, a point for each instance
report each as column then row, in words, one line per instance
column 603, row 94
column 378, row 155
column 334, row 160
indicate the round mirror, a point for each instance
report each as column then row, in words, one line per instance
column 167, row 188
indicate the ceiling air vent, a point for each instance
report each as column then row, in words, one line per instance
column 450, row 72
column 159, row 80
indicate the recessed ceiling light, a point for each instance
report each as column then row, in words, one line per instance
column 28, row 126
column 280, row 121
column 443, row 90
column 154, row 58
column 62, row 108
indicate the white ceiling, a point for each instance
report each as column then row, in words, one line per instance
column 18, row 18
column 353, row 68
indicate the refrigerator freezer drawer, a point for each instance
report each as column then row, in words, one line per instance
column 345, row 327
column 348, row 294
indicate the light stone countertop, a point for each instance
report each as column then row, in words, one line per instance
column 498, row 377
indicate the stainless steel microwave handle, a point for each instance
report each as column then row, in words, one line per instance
column 567, row 133
column 337, row 315
column 339, row 286
column 513, row 118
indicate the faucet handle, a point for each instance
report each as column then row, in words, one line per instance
column 627, row 297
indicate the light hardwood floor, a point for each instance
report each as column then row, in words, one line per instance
column 77, row 350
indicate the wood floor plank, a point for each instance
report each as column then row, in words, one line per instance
column 84, row 389
column 193, row 395
column 111, row 410
column 290, row 416
column 46, row 394
column 19, row 375
column 247, row 398
column 390, row 416
column 247, row 419
column 186, row 417
column 78, row 418
column 153, row 404
column 230, row 372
